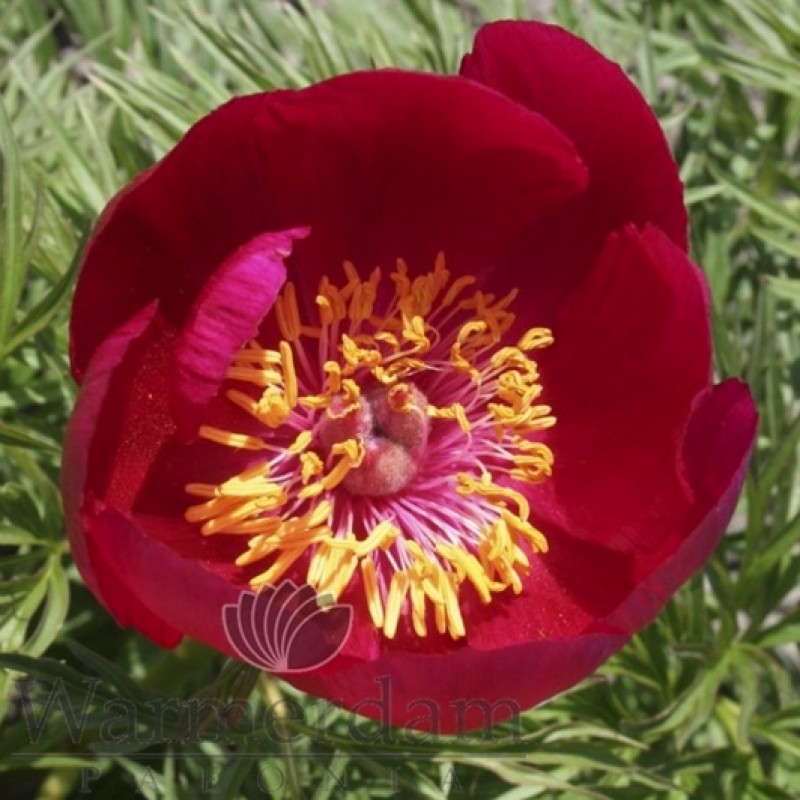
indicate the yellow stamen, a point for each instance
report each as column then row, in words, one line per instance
column 289, row 376
column 287, row 505
column 394, row 604
column 287, row 313
column 417, row 605
column 535, row 338
column 311, row 467
column 238, row 440
column 371, row 592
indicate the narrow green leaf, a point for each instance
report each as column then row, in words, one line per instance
column 12, row 273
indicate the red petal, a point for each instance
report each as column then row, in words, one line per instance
column 719, row 439
column 463, row 689
column 633, row 177
column 444, row 164
column 632, row 350
column 148, row 585
column 163, row 235
column 225, row 316
column 440, row 167
column 108, row 536
column 82, row 427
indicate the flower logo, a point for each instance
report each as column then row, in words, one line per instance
column 286, row 628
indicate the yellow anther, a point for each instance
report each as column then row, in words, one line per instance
column 462, row 363
column 289, row 375
column 331, row 304
column 284, row 537
column 315, row 402
column 519, row 523
column 258, row 376
column 338, row 567
column 448, row 586
column 319, row 514
column 301, row 442
column 400, row 278
column 455, row 411
column 282, row 564
column 372, row 593
column 333, row 373
column 258, row 487
column 356, row 356
column 458, row 286
column 254, row 356
column 535, row 338
column 387, row 338
column 398, row 369
column 394, row 603
column 417, row 605
column 310, row 466
column 535, row 467
column 414, row 332
column 426, row 569
column 287, row 313
column 467, row 566
column 468, row 484
column 350, row 391
column 470, row 329
column 325, row 310
column 363, row 299
column 352, row 454
column 209, row 509
column 252, row 527
column 511, row 358
column 242, row 511
column 527, row 420
column 238, row 440
column 272, row 408
column 352, row 449
column 383, row 535
column 353, row 278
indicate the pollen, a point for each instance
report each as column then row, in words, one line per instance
column 389, row 444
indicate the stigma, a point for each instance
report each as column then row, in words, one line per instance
column 399, row 430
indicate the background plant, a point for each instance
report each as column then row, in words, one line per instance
column 703, row 704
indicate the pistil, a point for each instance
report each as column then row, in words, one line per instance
column 393, row 424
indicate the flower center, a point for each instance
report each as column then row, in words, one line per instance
column 399, row 433
column 393, row 424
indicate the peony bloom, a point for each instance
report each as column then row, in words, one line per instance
column 429, row 345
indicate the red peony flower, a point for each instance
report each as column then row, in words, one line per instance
column 430, row 345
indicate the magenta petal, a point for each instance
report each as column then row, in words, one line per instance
column 226, row 314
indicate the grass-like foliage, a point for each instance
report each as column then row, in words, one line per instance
column 703, row 704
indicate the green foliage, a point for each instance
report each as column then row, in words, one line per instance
column 703, row 704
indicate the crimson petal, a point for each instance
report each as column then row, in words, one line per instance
column 379, row 165
column 632, row 351
column 633, row 177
